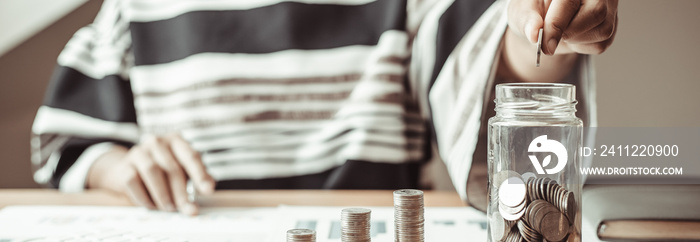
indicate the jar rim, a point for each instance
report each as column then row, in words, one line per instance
column 534, row 85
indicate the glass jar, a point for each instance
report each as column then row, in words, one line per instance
column 534, row 188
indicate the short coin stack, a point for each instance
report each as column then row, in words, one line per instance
column 355, row 225
column 531, row 209
column 301, row 235
column 408, row 215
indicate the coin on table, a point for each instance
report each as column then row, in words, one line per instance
column 408, row 215
column 301, row 235
column 355, row 224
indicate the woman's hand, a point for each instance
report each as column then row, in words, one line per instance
column 570, row 27
column 153, row 173
column 579, row 26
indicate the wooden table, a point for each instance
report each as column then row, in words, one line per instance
column 232, row 198
column 634, row 229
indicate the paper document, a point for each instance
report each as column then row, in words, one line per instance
column 93, row 223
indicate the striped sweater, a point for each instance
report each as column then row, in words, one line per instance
column 276, row 93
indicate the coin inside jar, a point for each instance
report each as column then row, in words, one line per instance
column 554, row 226
column 499, row 228
column 511, row 216
column 571, row 207
column 512, row 191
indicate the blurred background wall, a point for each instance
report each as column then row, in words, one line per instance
column 650, row 77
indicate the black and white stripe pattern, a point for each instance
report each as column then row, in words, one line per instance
column 264, row 89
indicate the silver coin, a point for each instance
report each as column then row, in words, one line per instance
column 512, row 192
column 301, row 235
column 539, row 46
column 511, row 217
column 355, row 224
column 571, row 206
column 498, row 227
column 498, row 178
column 513, row 210
column 528, row 233
column 409, row 219
column 528, row 175
column 554, row 226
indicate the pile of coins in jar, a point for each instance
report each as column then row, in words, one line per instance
column 531, row 209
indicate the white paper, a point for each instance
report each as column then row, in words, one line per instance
column 91, row 223
column 50, row 223
column 442, row 224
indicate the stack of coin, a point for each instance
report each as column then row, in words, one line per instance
column 408, row 215
column 548, row 190
column 301, row 235
column 355, row 225
column 512, row 198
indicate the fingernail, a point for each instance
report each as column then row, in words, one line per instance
column 552, row 46
column 528, row 32
column 190, row 209
column 170, row 208
column 206, row 187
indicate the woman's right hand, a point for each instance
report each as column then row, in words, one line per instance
column 153, row 174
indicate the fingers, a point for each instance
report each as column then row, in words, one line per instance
column 592, row 14
column 177, row 180
column 136, row 191
column 581, row 32
column 525, row 18
column 192, row 163
column 570, row 26
column 157, row 178
column 557, row 20
column 153, row 178
column 593, row 48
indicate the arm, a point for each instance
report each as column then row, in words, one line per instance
column 88, row 106
column 453, row 90
column 85, row 134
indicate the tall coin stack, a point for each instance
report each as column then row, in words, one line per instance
column 408, row 215
column 301, row 235
column 531, row 209
column 355, row 225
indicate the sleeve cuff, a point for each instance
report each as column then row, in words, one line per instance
column 75, row 179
